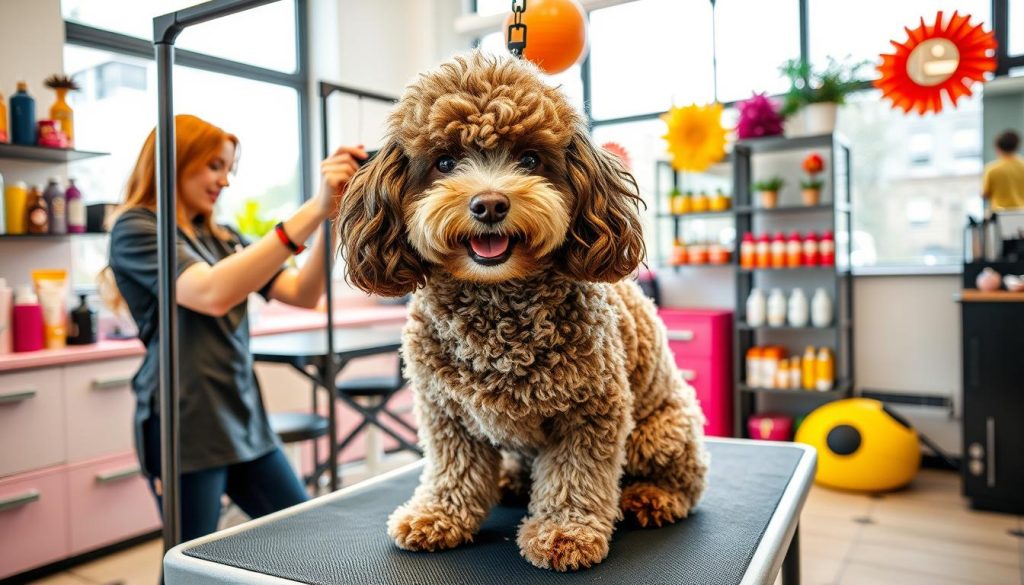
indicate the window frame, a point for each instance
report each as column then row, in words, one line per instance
column 96, row 38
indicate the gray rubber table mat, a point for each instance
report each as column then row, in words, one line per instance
column 344, row 540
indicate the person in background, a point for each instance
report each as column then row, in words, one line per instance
column 1003, row 182
column 227, row 445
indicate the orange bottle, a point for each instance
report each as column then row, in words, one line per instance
column 763, row 252
column 4, row 137
column 825, row 370
column 809, row 363
column 748, row 251
column 794, row 251
column 778, row 251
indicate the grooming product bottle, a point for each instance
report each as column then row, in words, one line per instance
column 23, row 116
column 82, row 323
column 15, row 198
column 37, row 215
column 27, row 320
column 76, row 209
column 56, row 206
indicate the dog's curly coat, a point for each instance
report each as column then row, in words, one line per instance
column 530, row 357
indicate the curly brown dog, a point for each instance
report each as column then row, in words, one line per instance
column 530, row 357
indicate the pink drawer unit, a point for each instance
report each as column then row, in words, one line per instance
column 31, row 417
column 100, row 406
column 33, row 520
column 701, row 340
column 110, row 501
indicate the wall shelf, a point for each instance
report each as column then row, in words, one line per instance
column 701, row 215
column 823, row 208
column 44, row 154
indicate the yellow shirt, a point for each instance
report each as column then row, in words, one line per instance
column 1004, row 183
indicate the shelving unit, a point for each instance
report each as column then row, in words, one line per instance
column 833, row 214
column 44, row 154
column 661, row 190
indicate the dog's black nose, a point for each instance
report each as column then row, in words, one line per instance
column 489, row 207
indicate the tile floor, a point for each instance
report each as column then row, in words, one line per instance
column 925, row 535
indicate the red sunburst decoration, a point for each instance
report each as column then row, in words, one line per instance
column 972, row 50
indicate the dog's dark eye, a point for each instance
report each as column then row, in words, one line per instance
column 445, row 164
column 529, row 160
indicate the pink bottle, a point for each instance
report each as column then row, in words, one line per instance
column 27, row 321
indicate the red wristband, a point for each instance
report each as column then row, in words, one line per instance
column 281, row 235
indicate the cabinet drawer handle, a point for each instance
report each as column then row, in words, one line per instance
column 111, row 383
column 19, row 500
column 680, row 335
column 990, row 438
column 18, row 396
column 119, row 475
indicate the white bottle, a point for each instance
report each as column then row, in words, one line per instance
column 6, row 314
column 821, row 308
column 799, row 311
column 756, row 308
column 777, row 308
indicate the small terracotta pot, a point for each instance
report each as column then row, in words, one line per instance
column 811, row 196
column 769, row 199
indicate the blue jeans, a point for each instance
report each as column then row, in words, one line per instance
column 258, row 487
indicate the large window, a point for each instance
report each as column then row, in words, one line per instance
column 258, row 95
column 862, row 30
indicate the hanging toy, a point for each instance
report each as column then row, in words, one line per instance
column 558, row 33
column 936, row 59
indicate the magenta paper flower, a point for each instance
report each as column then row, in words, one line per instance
column 759, row 117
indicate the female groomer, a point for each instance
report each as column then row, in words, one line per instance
column 227, row 446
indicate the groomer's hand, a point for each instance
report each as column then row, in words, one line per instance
column 335, row 172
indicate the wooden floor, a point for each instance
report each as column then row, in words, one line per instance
column 925, row 535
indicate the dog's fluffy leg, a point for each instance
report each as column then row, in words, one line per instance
column 458, row 487
column 575, row 494
column 665, row 462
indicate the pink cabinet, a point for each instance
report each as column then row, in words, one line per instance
column 33, row 520
column 31, row 420
column 701, row 340
column 109, row 502
column 101, row 408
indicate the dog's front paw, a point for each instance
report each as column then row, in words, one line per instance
column 651, row 504
column 417, row 527
column 561, row 546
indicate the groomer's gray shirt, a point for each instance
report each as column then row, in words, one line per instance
column 222, row 416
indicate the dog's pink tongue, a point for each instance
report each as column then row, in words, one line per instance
column 489, row 246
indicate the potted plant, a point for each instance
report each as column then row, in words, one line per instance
column 814, row 97
column 768, row 190
column 810, row 188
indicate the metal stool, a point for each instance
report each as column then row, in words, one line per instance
column 380, row 389
column 295, row 427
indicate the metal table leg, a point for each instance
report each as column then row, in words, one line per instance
column 791, row 564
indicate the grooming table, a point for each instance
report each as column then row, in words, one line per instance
column 739, row 533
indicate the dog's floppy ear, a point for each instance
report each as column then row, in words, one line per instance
column 605, row 241
column 371, row 227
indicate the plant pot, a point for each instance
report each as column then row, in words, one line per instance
column 769, row 199
column 811, row 196
column 793, row 125
column 820, row 118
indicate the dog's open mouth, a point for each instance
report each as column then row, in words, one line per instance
column 490, row 249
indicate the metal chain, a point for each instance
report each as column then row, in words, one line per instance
column 517, row 47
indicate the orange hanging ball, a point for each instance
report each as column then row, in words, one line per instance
column 556, row 33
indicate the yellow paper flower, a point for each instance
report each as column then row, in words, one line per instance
column 696, row 138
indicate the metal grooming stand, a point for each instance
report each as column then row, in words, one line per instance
column 166, row 29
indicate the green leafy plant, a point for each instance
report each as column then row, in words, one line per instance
column 812, row 183
column 830, row 85
column 250, row 223
column 772, row 184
